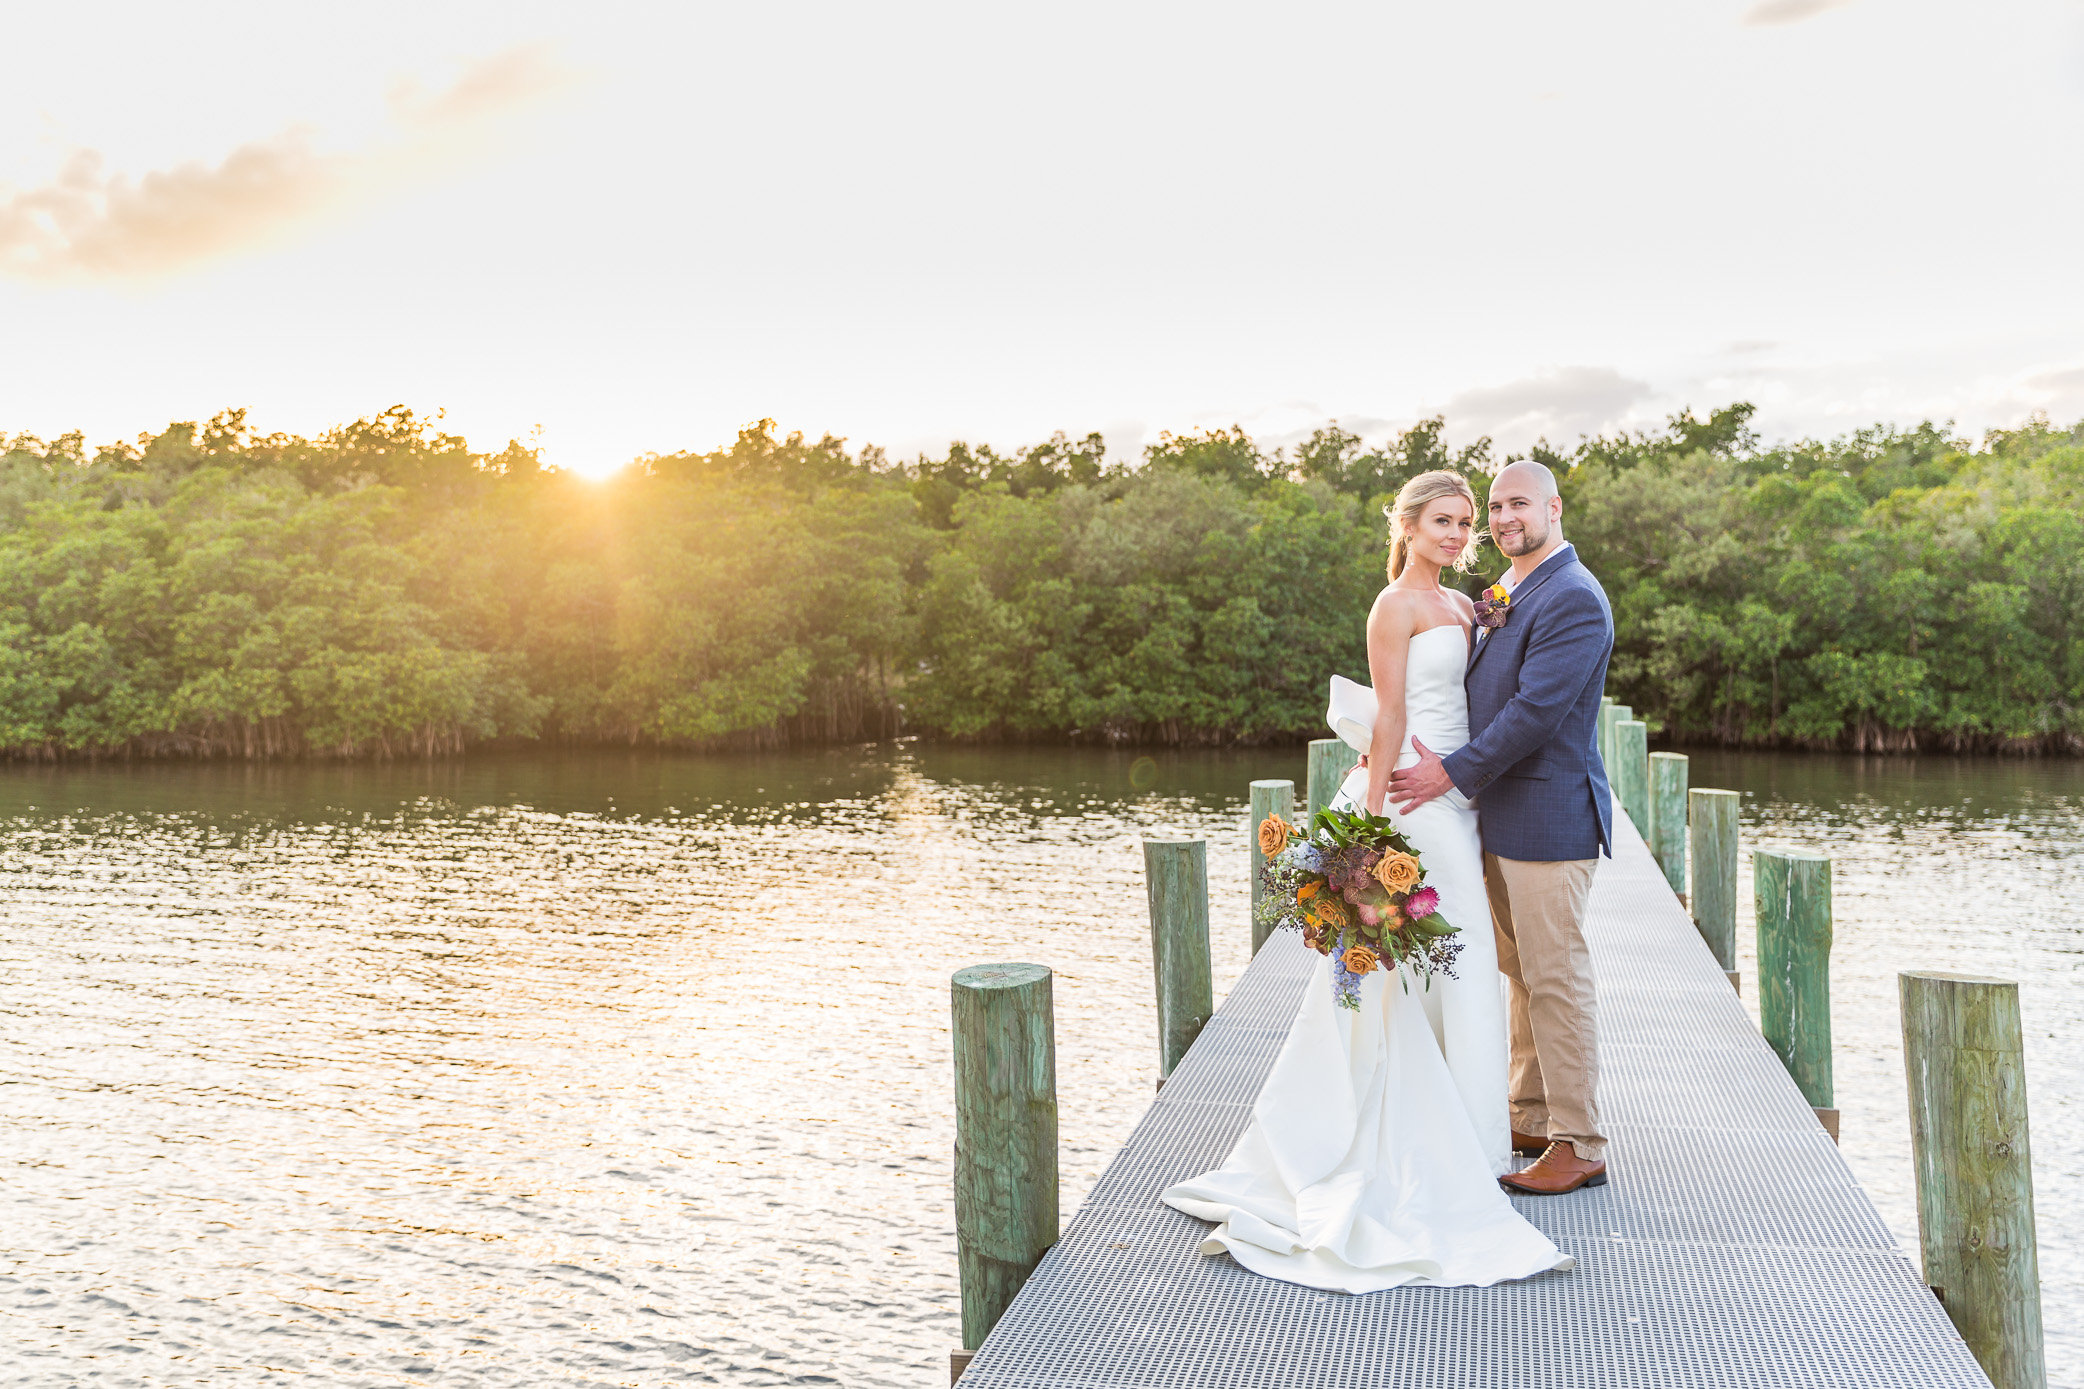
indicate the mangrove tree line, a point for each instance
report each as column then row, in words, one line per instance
column 384, row 590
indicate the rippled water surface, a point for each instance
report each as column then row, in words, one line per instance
column 1917, row 843
column 634, row 1071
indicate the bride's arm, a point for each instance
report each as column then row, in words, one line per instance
column 1389, row 645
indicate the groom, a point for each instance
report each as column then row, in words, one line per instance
column 1534, row 684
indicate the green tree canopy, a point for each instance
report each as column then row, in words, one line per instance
column 383, row 589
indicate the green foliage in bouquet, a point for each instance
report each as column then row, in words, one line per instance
column 1355, row 888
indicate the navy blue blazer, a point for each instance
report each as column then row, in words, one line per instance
column 1532, row 760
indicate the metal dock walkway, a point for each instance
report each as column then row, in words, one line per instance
column 1732, row 1248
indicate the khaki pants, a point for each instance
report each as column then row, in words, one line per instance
column 1538, row 912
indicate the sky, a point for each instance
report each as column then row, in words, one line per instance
column 619, row 229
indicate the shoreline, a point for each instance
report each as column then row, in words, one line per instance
column 2068, row 747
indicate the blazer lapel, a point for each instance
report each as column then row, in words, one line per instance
column 1565, row 556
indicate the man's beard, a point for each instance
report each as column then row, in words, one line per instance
column 1528, row 541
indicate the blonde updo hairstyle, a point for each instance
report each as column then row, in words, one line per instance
column 1412, row 500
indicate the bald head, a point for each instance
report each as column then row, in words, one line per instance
column 1526, row 514
column 1526, row 476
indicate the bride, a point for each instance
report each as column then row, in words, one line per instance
column 1376, row 1140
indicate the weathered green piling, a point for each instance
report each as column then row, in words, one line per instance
column 1176, row 877
column 1609, row 715
column 1330, row 760
column 1630, row 770
column 1713, row 901
column 1268, row 798
column 1794, row 970
column 1668, row 816
column 1005, row 1135
column 1964, row 1054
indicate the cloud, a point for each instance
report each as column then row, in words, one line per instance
column 1558, row 406
column 490, row 89
column 2063, row 381
column 89, row 223
column 2057, row 392
column 1370, row 426
column 1789, row 11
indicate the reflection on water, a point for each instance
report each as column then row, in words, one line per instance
column 590, row 1070
column 620, row 1069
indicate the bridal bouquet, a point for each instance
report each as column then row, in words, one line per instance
column 1356, row 890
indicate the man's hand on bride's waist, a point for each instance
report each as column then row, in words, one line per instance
column 1424, row 780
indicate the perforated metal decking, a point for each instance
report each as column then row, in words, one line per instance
column 1732, row 1247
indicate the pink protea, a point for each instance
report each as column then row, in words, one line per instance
column 1368, row 915
column 1422, row 903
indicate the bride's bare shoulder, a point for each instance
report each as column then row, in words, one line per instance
column 1396, row 610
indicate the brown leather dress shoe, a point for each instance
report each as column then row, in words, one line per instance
column 1556, row 1171
column 1527, row 1145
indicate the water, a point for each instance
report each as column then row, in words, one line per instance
column 1917, row 844
column 630, row 1071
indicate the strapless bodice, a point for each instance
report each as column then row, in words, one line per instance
column 1436, row 708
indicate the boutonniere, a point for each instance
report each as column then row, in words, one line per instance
column 1490, row 608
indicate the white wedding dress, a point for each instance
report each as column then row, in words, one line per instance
column 1375, row 1143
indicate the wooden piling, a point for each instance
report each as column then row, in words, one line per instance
column 1610, row 715
column 1176, row 878
column 1794, row 970
column 1268, row 798
column 1964, row 1054
column 1712, row 816
column 1330, row 760
column 1668, row 816
column 1005, row 1135
column 1630, row 771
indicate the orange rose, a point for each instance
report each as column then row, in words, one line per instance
column 1360, row 960
column 1332, row 912
column 1273, row 835
column 1397, row 872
